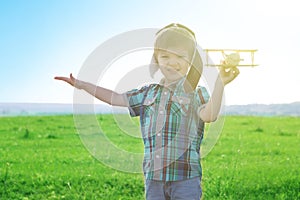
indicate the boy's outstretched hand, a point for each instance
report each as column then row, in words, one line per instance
column 71, row 80
column 228, row 75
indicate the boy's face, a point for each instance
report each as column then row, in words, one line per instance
column 173, row 63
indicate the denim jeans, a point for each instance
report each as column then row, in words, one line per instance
column 189, row 189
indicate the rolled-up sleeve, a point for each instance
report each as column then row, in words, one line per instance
column 135, row 99
column 203, row 96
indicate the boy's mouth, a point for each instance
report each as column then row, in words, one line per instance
column 173, row 69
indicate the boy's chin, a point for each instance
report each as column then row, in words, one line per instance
column 173, row 79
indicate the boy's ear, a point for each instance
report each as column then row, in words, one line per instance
column 153, row 68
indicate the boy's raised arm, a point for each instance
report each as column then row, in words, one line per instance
column 103, row 94
column 210, row 111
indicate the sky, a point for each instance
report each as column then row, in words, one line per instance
column 43, row 39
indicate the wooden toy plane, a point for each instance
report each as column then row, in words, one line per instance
column 230, row 57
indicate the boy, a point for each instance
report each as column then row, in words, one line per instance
column 172, row 113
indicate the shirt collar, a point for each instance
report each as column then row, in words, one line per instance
column 173, row 86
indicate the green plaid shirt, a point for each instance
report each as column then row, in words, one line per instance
column 171, row 130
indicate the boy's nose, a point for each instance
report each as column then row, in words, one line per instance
column 173, row 63
column 174, row 67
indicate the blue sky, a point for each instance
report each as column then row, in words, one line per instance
column 42, row 39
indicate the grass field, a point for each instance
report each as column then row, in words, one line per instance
column 44, row 158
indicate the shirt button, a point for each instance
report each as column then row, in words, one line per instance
column 157, row 156
column 161, row 112
column 159, row 134
column 165, row 93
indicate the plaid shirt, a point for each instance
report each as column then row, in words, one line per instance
column 171, row 130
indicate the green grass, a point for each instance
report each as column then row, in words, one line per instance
column 44, row 158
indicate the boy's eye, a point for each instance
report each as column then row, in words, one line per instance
column 164, row 56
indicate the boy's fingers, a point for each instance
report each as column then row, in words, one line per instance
column 59, row 77
column 235, row 71
column 66, row 79
column 71, row 80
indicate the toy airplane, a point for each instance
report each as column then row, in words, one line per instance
column 231, row 59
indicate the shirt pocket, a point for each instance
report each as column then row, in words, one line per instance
column 180, row 105
column 149, row 105
column 147, row 118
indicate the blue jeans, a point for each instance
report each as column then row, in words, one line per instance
column 189, row 189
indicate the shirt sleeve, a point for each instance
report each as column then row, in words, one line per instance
column 135, row 99
column 203, row 95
